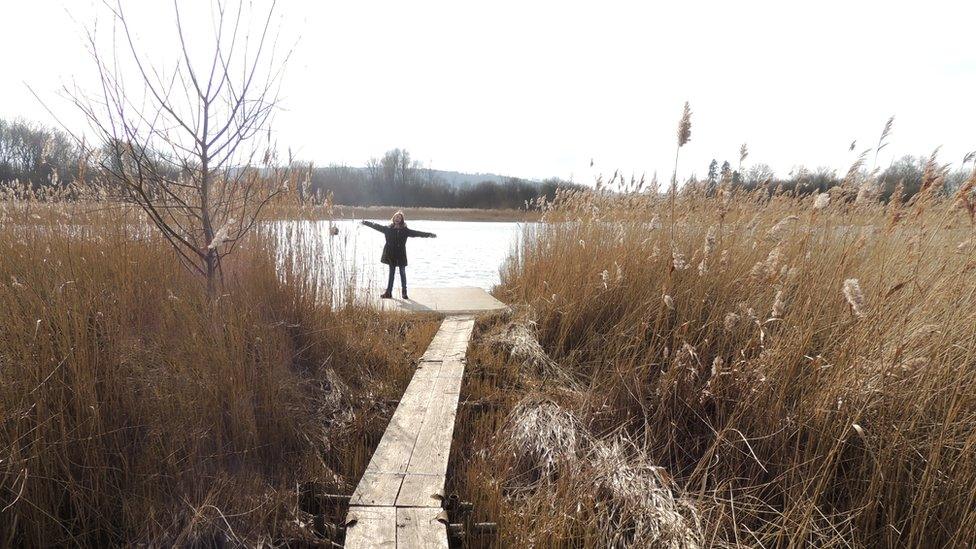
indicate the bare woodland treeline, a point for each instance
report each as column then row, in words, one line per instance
column 907, row 172
column 44, row 156
column 34, row 153
column 396, row 179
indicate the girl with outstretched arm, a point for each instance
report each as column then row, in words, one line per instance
column 395, row 249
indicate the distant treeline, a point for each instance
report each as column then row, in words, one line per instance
column 36, row 154
column 397, row 180
column 42, row 156
column 908, row 172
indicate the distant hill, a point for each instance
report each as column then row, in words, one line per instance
column 455, row 179
column 390, row 183
column 460, row 179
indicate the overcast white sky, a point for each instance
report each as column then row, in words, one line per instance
column 537, row 89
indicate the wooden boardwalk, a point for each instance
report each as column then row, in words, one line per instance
column 398, row 501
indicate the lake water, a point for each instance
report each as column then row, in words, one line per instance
column 465, row 253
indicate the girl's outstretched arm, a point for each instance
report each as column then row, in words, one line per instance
column 375, row 226
column 421, row 234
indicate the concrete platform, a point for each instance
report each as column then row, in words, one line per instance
column 463, row 300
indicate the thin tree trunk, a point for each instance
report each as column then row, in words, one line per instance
column 208, row 230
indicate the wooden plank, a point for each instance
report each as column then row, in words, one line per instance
column 369, row 527
column 450, row 385
column 426, row 369
column 377, row 489
column 453, row 346
column 393, row 452
column 434, row 441
column 421, row 528
column 421, row 491
column 452, row 368
column 454, row 333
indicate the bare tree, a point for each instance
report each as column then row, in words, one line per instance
column 398, row 168
column 759, row 174
column 186, row 144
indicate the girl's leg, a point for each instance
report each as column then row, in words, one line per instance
column 403, row 279
column 389, row 283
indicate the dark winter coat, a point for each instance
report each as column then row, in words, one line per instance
column 395, row 249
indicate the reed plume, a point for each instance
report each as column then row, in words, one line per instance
column 684, row 135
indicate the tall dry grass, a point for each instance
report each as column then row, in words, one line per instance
column 136, row 410
column 786, row 371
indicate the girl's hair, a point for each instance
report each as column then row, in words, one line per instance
column 402, row 217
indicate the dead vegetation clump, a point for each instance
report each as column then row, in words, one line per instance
column 518, row 339
column 544, row 439
column 637, row 505
column 545, row 476
column 546, row 451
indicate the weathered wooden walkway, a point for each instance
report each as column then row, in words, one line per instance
column 398, row 501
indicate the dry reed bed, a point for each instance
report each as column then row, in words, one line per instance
column 136, row 410
column 804, row 370
column 527, row 459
